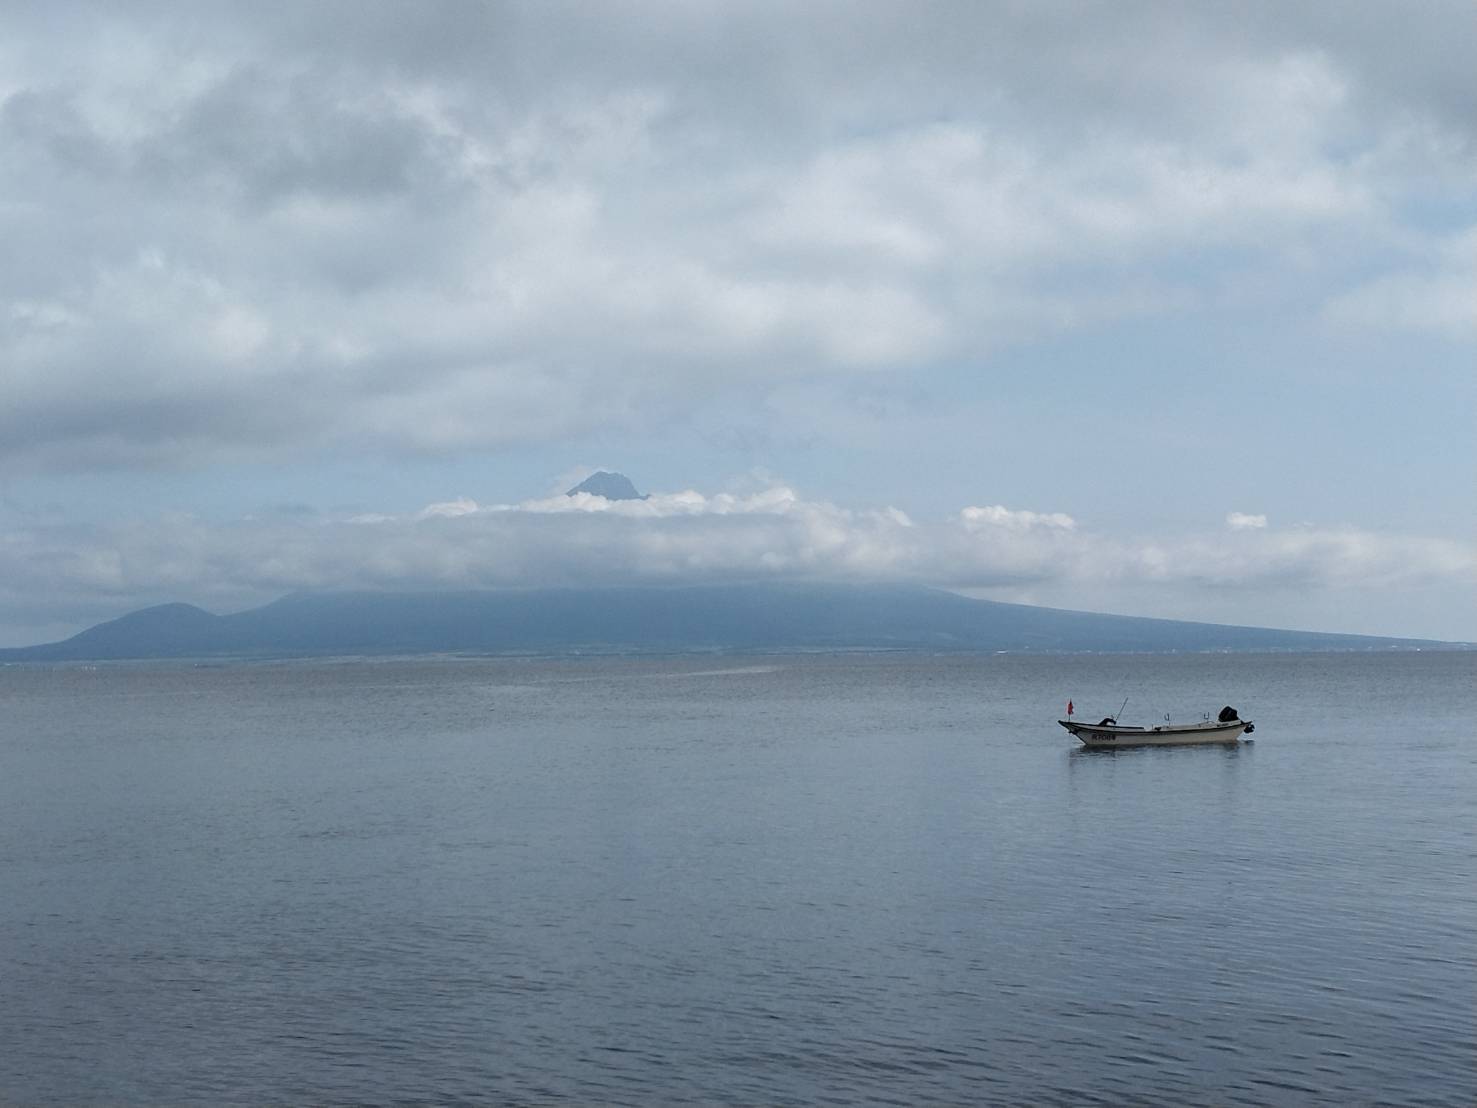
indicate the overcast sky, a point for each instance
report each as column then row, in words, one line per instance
column 1164, row 309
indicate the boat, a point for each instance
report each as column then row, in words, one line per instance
column 1227, row 727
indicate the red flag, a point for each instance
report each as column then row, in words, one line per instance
column 1069, row 707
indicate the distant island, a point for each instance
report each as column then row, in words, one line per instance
column 741, row 617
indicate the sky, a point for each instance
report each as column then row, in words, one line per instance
column 1153, row 308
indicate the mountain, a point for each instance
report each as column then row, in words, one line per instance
column 612, row 486
column 717, row 617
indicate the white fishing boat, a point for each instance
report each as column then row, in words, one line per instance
column 1225, row 728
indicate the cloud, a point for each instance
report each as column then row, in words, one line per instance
column 254, row 235
column 1436, row 294
column 461, row 506
column 999, row 516
column 685, row 537
column 1241, row 521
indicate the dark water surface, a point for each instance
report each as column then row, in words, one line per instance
column 818, row 879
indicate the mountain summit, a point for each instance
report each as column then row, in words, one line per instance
column 612, row 486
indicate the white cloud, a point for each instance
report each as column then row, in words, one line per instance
column 773, row 500
column 1241, row 521
column 461, row 506
column 999, row 516
column 1436, row 294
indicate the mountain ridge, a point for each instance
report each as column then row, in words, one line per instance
column 749, row 617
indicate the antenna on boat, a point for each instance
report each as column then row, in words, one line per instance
column 1120, row 710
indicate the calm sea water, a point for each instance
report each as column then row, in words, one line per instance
column 816, row 879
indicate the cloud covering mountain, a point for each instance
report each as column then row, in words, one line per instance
column 686, row 537
column 1065, row 284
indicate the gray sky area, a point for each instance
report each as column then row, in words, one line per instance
column 1155, row 308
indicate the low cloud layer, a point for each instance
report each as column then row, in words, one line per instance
column 679, row 538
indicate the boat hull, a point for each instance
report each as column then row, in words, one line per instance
column 1191, row 734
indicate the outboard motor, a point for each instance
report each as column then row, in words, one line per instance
column 1228, row 714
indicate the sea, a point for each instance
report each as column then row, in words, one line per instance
column 810, row 879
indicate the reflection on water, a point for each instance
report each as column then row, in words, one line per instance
column 1226, row 750
column 857, row 879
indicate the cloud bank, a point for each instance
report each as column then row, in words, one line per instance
column 678, row 538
